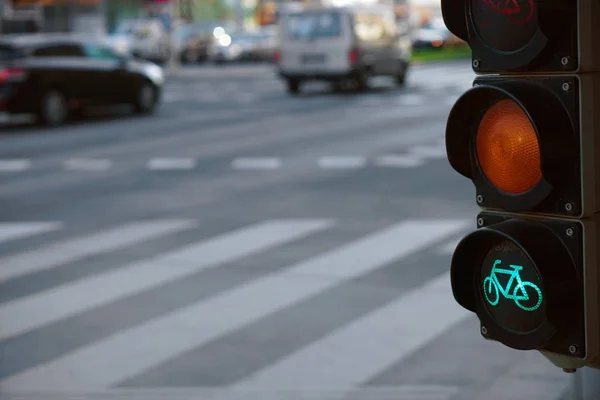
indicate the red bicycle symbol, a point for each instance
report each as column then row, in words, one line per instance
column 517, row 11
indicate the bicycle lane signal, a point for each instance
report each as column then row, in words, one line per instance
column 522, row 291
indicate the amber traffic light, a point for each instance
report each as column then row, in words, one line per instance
column 517, row 139
column 508, row 149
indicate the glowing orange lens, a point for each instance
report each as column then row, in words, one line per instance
column 507, row 148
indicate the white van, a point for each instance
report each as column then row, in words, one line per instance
column 343, row 45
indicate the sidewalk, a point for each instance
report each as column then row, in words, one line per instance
column 219, row 71
column 249, row 70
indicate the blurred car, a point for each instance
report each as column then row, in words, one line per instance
column 123, row 35
column 343, row 45
column 56, row 75
column 259, row 45
column 195, row 39
column 266, row 45
column 434, row 35
column 144, row 37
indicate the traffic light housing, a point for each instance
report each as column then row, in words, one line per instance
column 525, row 135
column 526, row 35
column 534, row 122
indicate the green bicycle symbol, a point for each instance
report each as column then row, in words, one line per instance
column 492, row 288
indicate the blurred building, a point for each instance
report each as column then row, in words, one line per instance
column 123, row 9
column 28, row 18
column 54, row 15
column 90, row 16
column 426, row 10
column 266, row 11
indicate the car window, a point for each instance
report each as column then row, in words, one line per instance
column 313, row 25
column 60, row 50
column 9, row 53
column 102, row 53
column 126, row 27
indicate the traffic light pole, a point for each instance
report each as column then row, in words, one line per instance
column 526, row 136
column 585, row 385
column 173, row 63
column 239, row 14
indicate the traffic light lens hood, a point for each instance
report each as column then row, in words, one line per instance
column 550, row 260
column 516, row 60
column 552, row 125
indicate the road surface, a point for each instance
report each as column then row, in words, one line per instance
column 245, row 244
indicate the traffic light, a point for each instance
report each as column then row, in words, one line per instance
column 525, row 135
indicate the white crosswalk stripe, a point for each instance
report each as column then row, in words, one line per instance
column 45, row 307
column 322, row 364
column 335, row 365
column 450, row 246
column 79, row 248
column 404, row 392
column 129, row 353
column 14, row 231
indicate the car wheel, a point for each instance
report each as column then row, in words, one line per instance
column 337, row 86
column 146, row 99
column 53, row 108
column 400, row 78
column 191, row 56
column 293, row 86
column 356, row 83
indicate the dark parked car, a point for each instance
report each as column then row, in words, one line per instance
column 435, row 35
column 196, row 38
column 245, row 46
column 53, row 76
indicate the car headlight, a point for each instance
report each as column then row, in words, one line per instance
column 156, row 74
column 122, row 46
column 234, row 50
column 224, row 40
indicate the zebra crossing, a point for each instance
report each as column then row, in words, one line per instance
column 115, row 332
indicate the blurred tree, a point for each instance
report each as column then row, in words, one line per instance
column 186, row 10
column 211, row 10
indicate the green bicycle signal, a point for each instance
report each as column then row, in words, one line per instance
column 492, row 288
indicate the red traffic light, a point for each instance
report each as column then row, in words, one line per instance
column 517, row 35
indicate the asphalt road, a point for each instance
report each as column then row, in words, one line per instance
column 245, row 244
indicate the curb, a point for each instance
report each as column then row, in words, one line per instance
column 248, row 71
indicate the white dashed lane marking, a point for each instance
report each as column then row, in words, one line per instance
column 415, row 157
column 435, row 151
column 399, row 161
column 342, row 162
column 87, row 164
column 14, row 165
column 410, row 100
column 264, row 163
column 165, row 164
